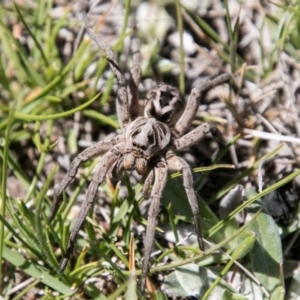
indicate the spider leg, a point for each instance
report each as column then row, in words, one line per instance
column 197, row 135
column 135, row 76
column 147, row 184
column 102, row 168
column 122, row 103
column 92, row 151
column 160, row 179
column 178, row 164
column 186, row 119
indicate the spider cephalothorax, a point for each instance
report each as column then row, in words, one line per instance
column 144, row 138
column 146, row 145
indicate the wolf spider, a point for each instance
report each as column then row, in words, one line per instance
column 146, row 145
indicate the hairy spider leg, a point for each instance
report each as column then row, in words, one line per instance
column 92, row 151
column 160, row 179
column 135, row 75
column 180, row 165
column 122, row 101
column 101, row 170
column 147, row 185
column 197, row 134
column 186, row 119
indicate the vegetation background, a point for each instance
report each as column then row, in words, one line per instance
column 50, row 110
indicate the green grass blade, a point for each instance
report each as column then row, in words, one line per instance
column 46, row 250
column 62, row 75
column 17, row 170
column 245, row 246
column 3, row 78
column 18, row 237
column 268, row 190
column 4, row 183
column 248, row 171
column 8, row 42
column 31, row 34
column 30, row 118
column 38, row 273
column 102, row 119
column 131, row 287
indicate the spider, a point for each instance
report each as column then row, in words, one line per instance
column 146, row 145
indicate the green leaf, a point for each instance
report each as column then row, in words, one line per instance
column 232, row 296
column 271, row 188
column 131, row 288
column 174, row 193
column 294, row 290
column 266, row 255
column 160, row 296
column 38, row 46
column 101, row 118
column 279, row 294
column 243, row 248
column 190, row 281
column 38, row 273
column 41, row 117
column 40, row 229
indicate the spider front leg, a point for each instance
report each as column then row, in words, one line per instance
column 147, row 185
column 190, row 111
column 178, row 164
column 197, row 134
column 122, row 101
column 135, row 76
column 92, row 151
column 102, row 168
column 160, row 179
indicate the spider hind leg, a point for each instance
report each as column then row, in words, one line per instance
column 178, row 164
column 102, row 169
column 92, row 151
column 160, row 179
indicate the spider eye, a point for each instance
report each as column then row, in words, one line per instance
column 150, row 139
column 166, row 117
column 164, row 101
column 134, row 144
column 165, row 93
column 152, row 112
column 143, row 148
